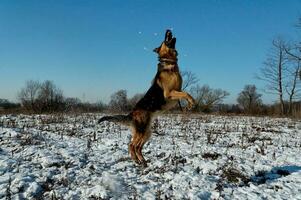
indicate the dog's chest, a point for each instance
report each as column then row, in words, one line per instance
column 171, row 80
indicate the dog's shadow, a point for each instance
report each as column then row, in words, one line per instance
column 275, row 173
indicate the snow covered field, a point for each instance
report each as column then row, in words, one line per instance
column 190, row 157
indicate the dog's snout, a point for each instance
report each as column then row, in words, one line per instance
column 156, row 50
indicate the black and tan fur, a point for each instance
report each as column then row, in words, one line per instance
column 164, row 94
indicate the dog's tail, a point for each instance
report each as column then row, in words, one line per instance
column 123, row 119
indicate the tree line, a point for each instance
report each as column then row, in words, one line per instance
column 46, row 97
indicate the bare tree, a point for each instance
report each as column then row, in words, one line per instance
column 293, row 84
column 207, row 97
column 119, row 102
column 294, row 54
column 293, row 87
column 249, row 99
column 28, row 95
column 189, row 80
column 50, row 97
column 41, row 97
column 273, row 71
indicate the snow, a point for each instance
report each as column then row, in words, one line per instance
column 189, row 157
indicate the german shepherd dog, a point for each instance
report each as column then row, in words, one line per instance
column 164, row 94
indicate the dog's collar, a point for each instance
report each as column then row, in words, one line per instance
column 168, row 61
column 168, row 67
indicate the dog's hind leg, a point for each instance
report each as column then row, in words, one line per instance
column 132, row 146
column 142, row 140
column 141, row 123
column 136, row 145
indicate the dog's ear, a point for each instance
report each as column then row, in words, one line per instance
column 168, row 35
column 156, row 50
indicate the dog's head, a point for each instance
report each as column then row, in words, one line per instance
column 168, row 47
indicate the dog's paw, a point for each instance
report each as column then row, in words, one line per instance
column 143, row 164
column 190, row 105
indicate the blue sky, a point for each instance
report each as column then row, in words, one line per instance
column 90, row 49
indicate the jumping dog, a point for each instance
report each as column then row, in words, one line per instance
column 164, row 93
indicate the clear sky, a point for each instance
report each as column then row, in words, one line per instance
column 91, row 48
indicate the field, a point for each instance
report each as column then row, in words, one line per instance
column 189, row 157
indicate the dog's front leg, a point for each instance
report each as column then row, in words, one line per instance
column 176, row 95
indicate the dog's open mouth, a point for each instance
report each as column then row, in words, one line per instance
column 170, row 41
